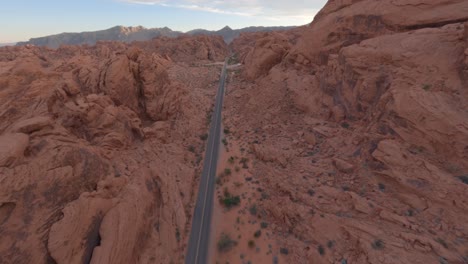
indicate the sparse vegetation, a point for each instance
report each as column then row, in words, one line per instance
column 227, row 171
column 345, row 125
column 253, row 209
column 321, row 250
column 263, row 225
column 177, row 234
column 330, row 243
column 231, row 160
column 284, row 251
column 209, row 115
column 442, row 242
column 443, row 260
column 230, row 200
column 198, row 160
column 251, row 244
column 426, row 87
column 311, row 192
column 414, row 149
column 258, row 233
column 233, row 59
column 244, row 162
column 219, row 180
column 409, row 212
column 381, row 187
column 191, row 148
column 265, row 196
column 463, row 178
column 204, row 137
column 225, row 243
column 225, row 143
column 237, row 169
column 378, row 244
column 226, row 131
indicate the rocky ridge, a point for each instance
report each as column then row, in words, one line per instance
column 94, row 160
column 358, row 129
column 139, row 33
column 118, row 33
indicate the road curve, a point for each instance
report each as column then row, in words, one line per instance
column 197, row 249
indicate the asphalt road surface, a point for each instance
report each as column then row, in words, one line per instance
column 197, row 251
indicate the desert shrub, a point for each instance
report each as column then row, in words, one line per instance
column 244, row 162
column 191, row 148
column 378, row 244
column 230, row 200
column 284, row 251
column 321, row 250
column 225, row 243
column 381, row 187
column 409, row 212
column 253, row 209
column 442, row 242
column 463, row 178
column 177, row 234
column 258, row 233
column 426, row 87
column 251, row 244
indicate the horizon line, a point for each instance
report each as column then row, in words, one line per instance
column 135, row 26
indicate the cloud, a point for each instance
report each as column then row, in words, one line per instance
column 297, row 10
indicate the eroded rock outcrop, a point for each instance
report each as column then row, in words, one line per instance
column 188, row 49
column 342, row 23
column 382, row 85
column 94, row 166
column 267, row 52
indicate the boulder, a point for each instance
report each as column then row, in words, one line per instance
column 343, row 166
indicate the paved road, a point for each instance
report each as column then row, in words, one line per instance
column 197, row 251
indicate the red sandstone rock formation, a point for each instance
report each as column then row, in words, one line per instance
column 94, row 166
column 356, row 126
column 382, row 87
column 188, row 48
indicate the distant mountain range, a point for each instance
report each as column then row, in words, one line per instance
column 130, row 34
column 230, row 34
column 118, row 33
column 7, row 44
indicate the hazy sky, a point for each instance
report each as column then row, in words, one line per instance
column 23, row 19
